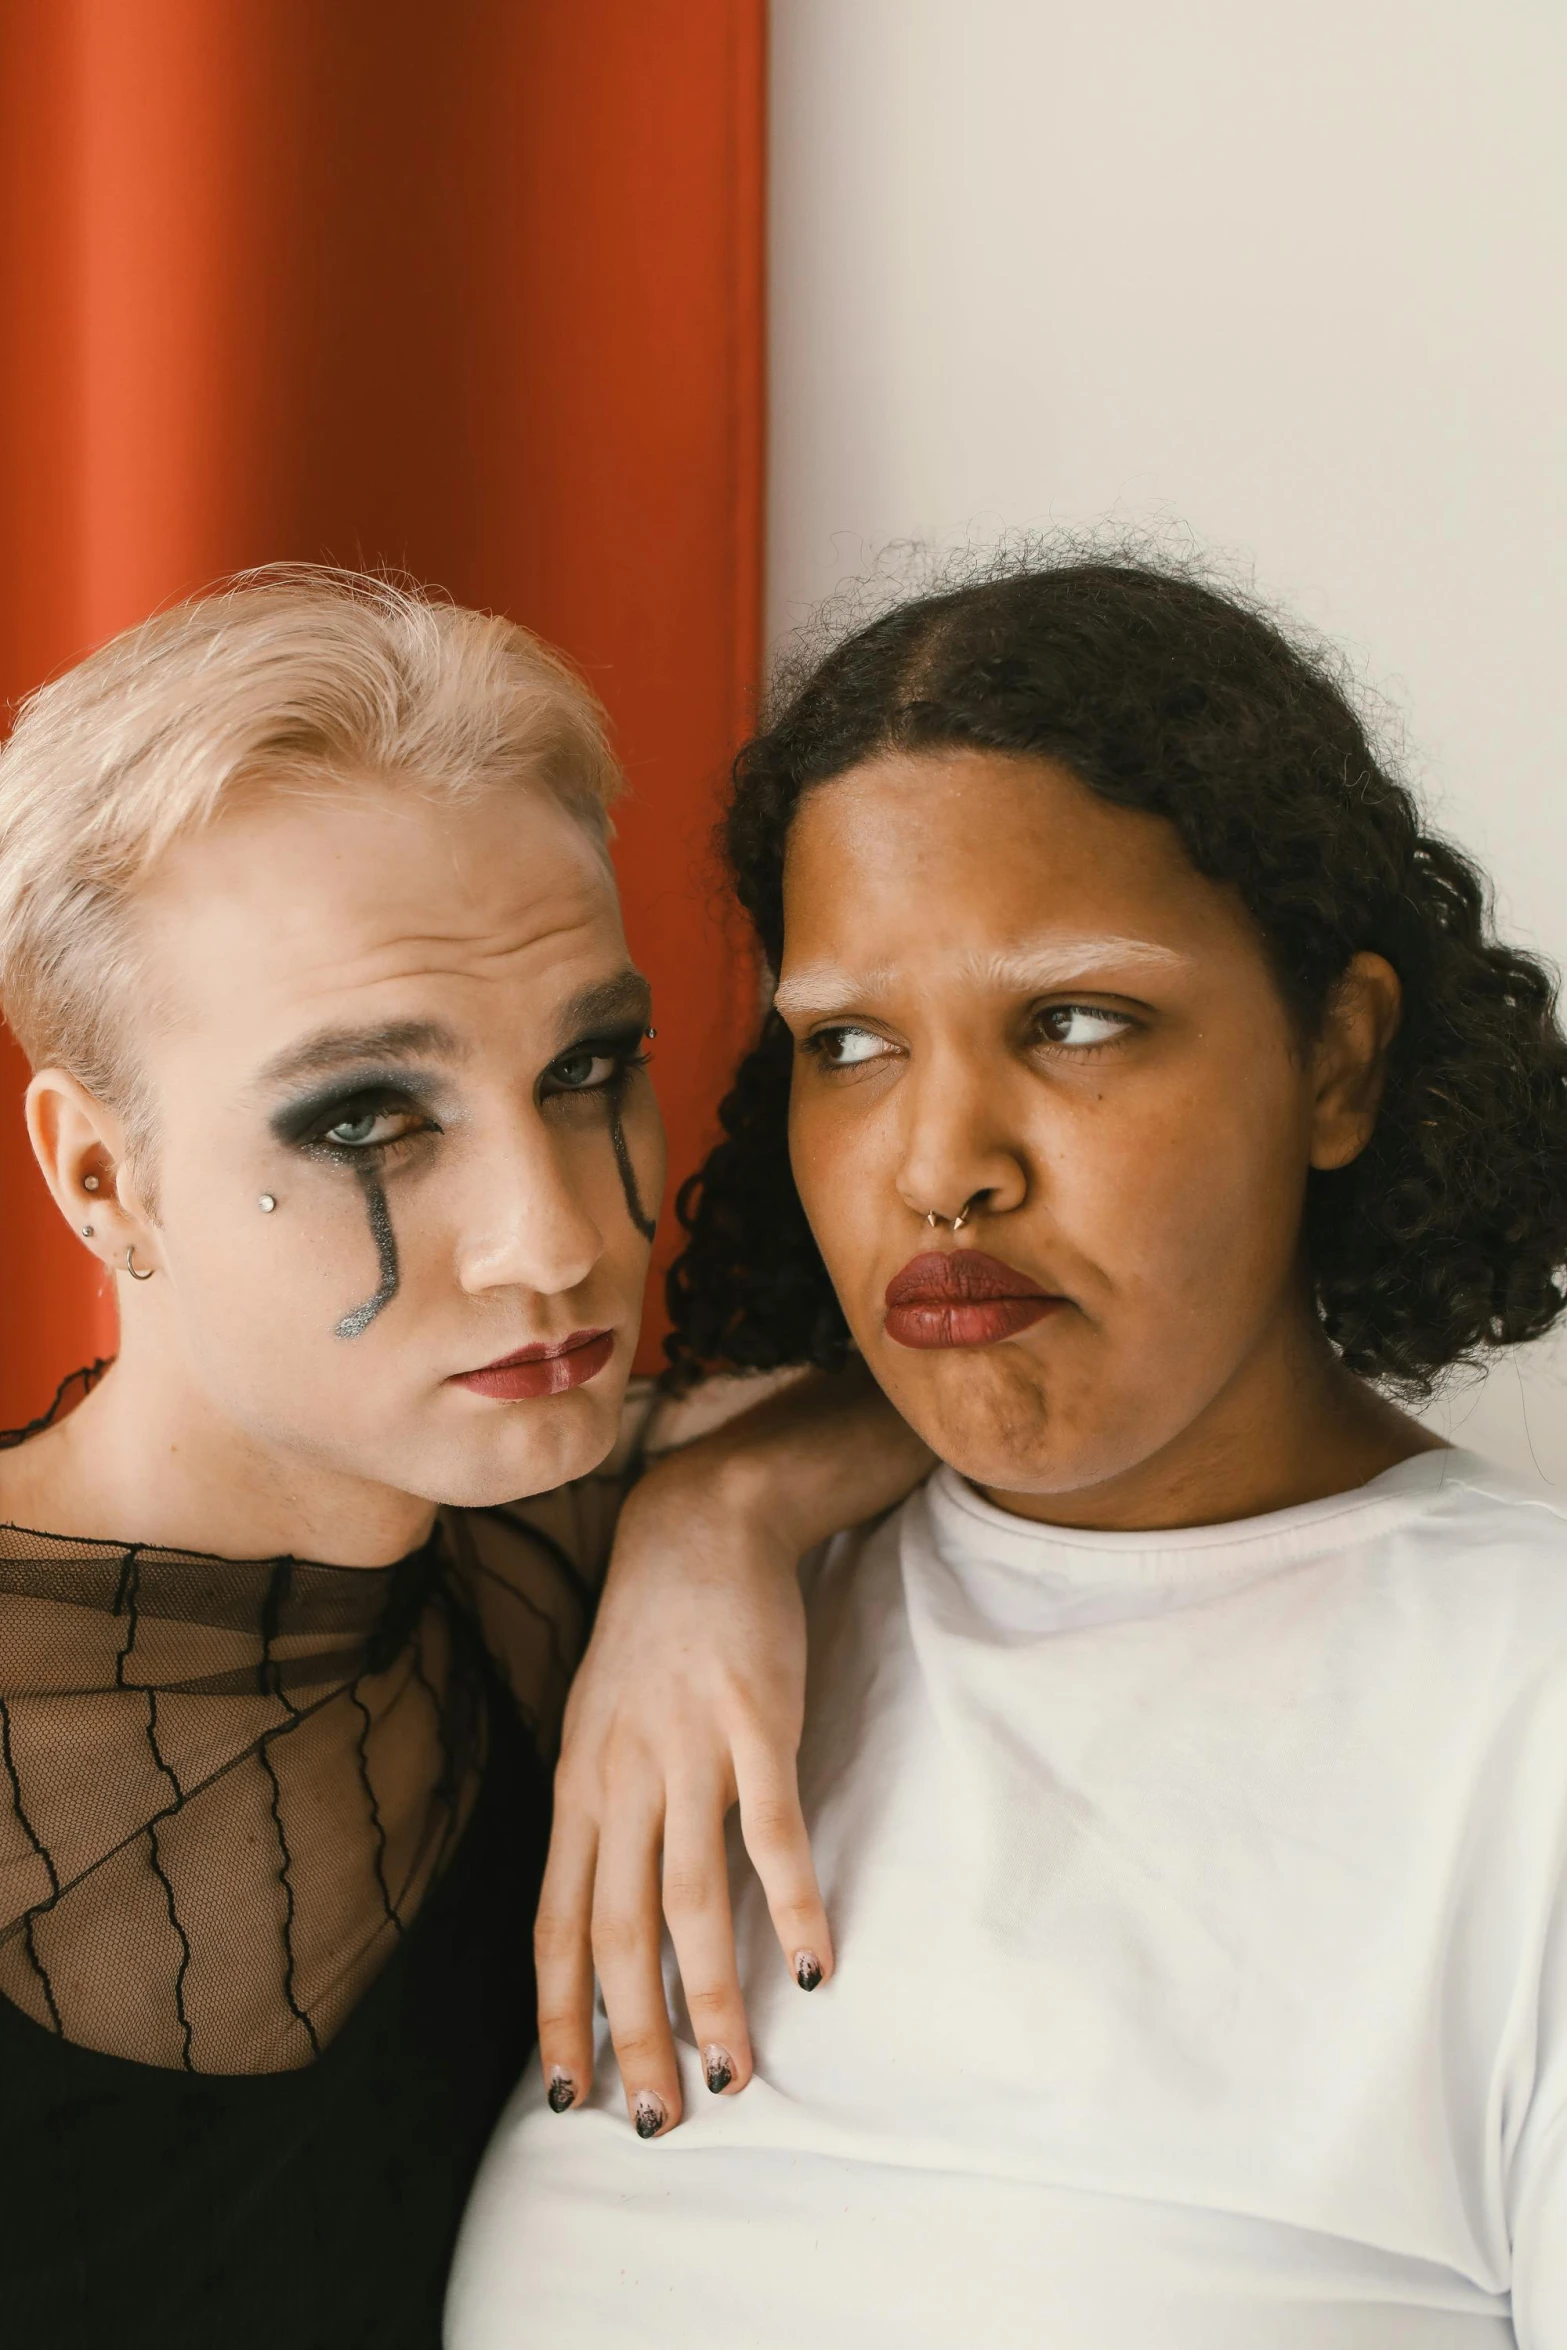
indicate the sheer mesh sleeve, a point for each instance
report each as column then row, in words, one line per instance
column 533, row 1569
column 227, row 1785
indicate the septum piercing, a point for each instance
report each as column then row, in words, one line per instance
column 266, row 1203
column 958, row 1221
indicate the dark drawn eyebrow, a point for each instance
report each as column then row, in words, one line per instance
column 340, row 1048
column 627, row 997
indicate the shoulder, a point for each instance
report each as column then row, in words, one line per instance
column 1478, row 1578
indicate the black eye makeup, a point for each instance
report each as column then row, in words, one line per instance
column 595, row 1063
column 356, row 1118
column 358, row 1122
column 602, row 1066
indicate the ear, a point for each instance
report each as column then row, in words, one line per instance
column 1349, row 1060
column 80, row 1145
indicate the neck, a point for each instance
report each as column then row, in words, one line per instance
column 148, row 1458
column 1291, row 1426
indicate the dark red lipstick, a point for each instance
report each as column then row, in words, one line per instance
column 961, row 1297
column 542, row 1370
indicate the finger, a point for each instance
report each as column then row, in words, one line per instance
column 773, row 1827
column 563, row 1959
column 628, row 1927
column 701, row 1926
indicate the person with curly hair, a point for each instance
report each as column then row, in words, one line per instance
column 1145, row 1098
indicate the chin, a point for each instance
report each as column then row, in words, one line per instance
column 510, row 1451
column 991, row 1415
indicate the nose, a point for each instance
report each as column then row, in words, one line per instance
column 957, row 1150
column 528, row 1227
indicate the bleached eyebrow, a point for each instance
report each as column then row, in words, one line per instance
column 1061, row 960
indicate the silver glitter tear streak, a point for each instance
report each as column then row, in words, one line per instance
column 355, row 1324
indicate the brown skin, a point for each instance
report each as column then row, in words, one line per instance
column 1006, row 990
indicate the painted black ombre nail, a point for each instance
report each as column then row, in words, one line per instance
column 354, row 1324
column 562, row 2090
column 650, row 2113
column 807, row 1969
column 719, row 2067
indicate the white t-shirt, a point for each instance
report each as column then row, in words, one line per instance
column 1201, row 1913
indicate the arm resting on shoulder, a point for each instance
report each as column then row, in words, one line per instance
column 691, row 1699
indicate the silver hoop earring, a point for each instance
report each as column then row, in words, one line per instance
column 130, row 1267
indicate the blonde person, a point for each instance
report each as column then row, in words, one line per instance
column 308, row 928
column 1148, row 1099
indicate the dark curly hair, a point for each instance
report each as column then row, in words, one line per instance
column 1448, row 1234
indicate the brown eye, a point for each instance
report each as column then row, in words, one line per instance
column 1079, row 1027
column 848, row 1048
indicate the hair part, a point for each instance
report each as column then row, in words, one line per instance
column 1163, row 693
column 292, row 676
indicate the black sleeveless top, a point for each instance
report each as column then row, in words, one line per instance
column 271, row 1838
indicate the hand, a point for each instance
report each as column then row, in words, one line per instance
column 690, row 1699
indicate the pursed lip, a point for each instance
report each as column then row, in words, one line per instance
column 961, row 1297
column 549, row 1367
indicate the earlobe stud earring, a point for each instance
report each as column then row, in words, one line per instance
column 266, row 1203
column 86, row 1232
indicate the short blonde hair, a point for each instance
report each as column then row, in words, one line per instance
column 295, row 674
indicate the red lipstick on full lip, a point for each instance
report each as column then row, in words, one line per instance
column 542, row 1370
column 961, row 1297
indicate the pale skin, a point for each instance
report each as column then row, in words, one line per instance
column 364, row 988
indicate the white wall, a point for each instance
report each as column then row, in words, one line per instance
column 1292, row 276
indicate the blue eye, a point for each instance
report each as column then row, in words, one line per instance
column 581, row 1072
column 595, row 1063
column 371, row 1129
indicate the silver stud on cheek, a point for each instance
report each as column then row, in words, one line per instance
column 266, row 1203
column 89, row 1183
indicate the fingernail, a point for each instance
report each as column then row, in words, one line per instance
column 562, row 2090
column 807, row 1969
column 719, row 2066
column 650, row 2114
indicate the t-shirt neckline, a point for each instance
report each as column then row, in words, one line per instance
column 1185, row 1562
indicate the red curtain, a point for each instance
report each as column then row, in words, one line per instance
column 474, row 290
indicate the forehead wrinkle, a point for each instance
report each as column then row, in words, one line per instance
column 1050, row 962
column 1053, row 961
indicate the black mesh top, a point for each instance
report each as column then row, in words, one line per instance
column 270, row 1838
